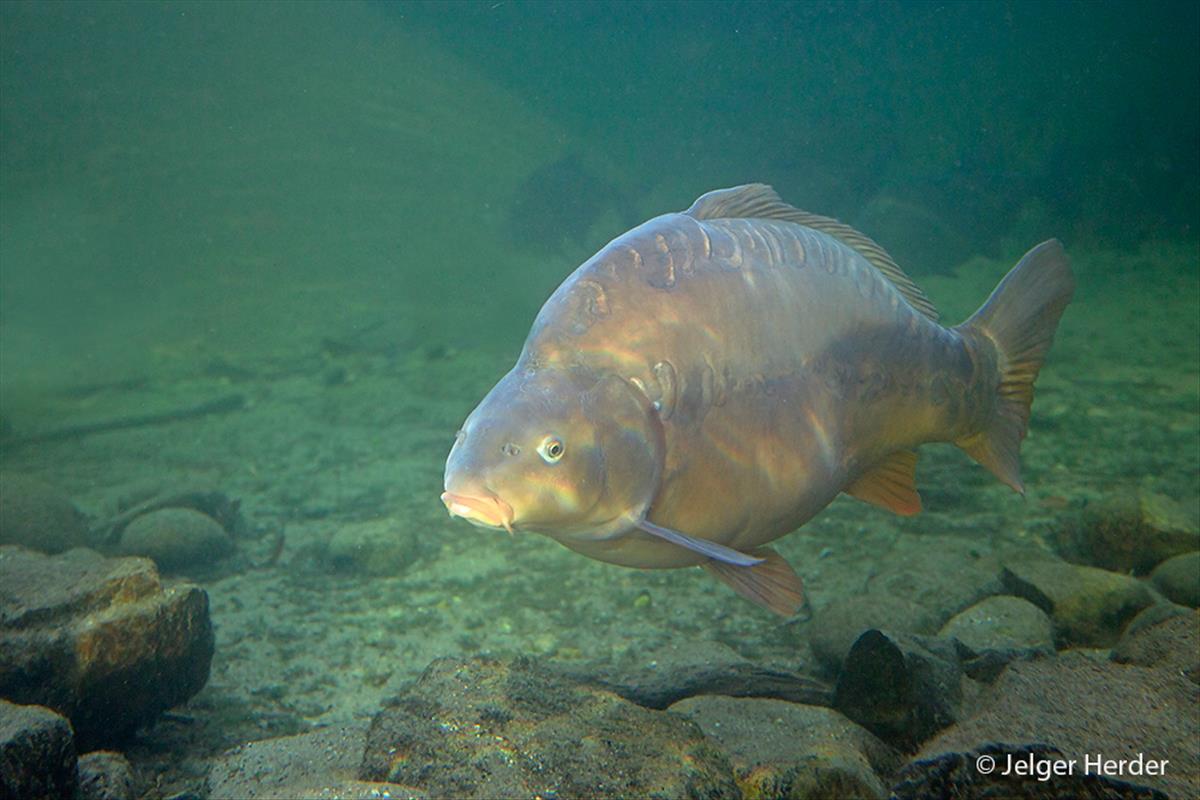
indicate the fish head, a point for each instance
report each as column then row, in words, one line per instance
column 561, row 452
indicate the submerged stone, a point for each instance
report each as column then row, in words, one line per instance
column 106, row 775
column 1083, row 706
column 787, row 750
column 36, row 515
column 902, row 688
column 665, row 675
column 959, row 775
column 318, row 764
column 997, row 631
column 1172, row 643
column 99, row 640
column 1089, row 606
column 37, row 753
column 177, row 539
column 1178, row 578
column 838, row 626
column 1130, row 533
column 485, row 728
column 373, row 547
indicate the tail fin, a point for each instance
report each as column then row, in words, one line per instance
column 1019, row 318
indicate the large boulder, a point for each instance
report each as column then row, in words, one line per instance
column 484, row 728
column 100, row 640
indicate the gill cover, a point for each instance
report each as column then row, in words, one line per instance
column 630, row 435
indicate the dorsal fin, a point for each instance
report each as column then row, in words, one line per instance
column 759, row 201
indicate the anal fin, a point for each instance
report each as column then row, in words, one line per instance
column 771, row 583
column 891, row 484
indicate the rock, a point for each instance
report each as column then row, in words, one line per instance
column 1172, row 644
column 141, row 500
column 177, row 539
column 788, row 750
column 105, row 775
column 1082, row 706
column 484, row 728
column 1152, row 615
column 999, row 630
column 663, row 676
column 319, row 764
column 837, row 626
column 99, row 640
column 1130, row 533
column 37, row 753
column 1178, row 578
column 943, row 574
column 958, row 775
column 1089, row 606
column 38, row 516
column 901, row 688
column 375, row 547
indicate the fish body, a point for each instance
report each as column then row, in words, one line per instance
column 712, row 379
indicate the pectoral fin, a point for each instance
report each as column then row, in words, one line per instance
column 891, row 484
column 719, row 552
column 771, row 583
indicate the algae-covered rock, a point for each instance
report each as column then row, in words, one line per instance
column 177, row 539
column 34, row 514
column 1083, row 706
column 1089, row 607
column 1130, row 533
column 484, row 729
column 99, row 640
column 37, row 753
column 1178, row 578
column 791, row 751
column 998, row 630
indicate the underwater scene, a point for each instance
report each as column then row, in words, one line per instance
column 599, row 400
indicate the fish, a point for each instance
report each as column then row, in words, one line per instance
column 710, row 380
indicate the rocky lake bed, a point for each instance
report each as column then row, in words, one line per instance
column 235, row 580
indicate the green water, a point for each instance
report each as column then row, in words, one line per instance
column 348, row 214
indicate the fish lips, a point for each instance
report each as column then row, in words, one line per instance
column 485, row 511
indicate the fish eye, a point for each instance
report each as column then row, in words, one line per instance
column 551, row 449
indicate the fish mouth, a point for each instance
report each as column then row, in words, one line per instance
column 490, row 512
